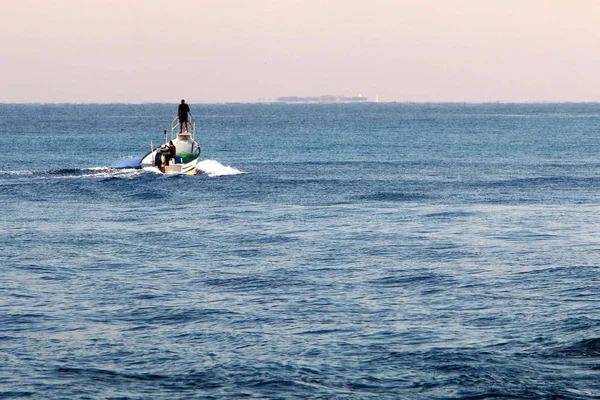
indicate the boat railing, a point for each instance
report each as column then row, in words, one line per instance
column 176, row 128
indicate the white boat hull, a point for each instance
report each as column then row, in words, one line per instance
column 186, row 157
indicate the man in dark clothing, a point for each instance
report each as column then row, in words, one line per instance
column 172, row 150
column 183, row 111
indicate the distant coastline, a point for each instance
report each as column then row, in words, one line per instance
column 328, row 98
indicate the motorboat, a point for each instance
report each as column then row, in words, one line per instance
column 179, row 154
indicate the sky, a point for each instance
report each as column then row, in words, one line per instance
column 215, row 51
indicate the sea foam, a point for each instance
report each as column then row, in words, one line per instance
column 214, row 168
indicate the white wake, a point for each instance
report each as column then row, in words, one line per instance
column 214, row 168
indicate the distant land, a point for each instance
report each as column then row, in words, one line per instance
column 328, row 98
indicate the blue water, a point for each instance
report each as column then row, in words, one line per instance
column 358, row 251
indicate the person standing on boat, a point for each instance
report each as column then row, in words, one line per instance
column 183, row 111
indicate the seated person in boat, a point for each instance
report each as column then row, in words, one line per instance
column 163, row 155
column 172, row 150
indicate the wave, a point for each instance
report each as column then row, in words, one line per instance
column 392, row 197
column 130, row 162
column 18, row 172
column 214, row 168
column 100, row 172
column 583, row 348
column 110, row 172
column 126, row 168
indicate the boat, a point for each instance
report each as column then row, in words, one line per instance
column 181, row 160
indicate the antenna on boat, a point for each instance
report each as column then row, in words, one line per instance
column 166, row 136
column 193, row 126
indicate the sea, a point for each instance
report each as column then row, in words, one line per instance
column 325, row 251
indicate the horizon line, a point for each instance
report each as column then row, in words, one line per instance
column 299, row 103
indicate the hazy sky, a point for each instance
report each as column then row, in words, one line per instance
column 243, row 50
